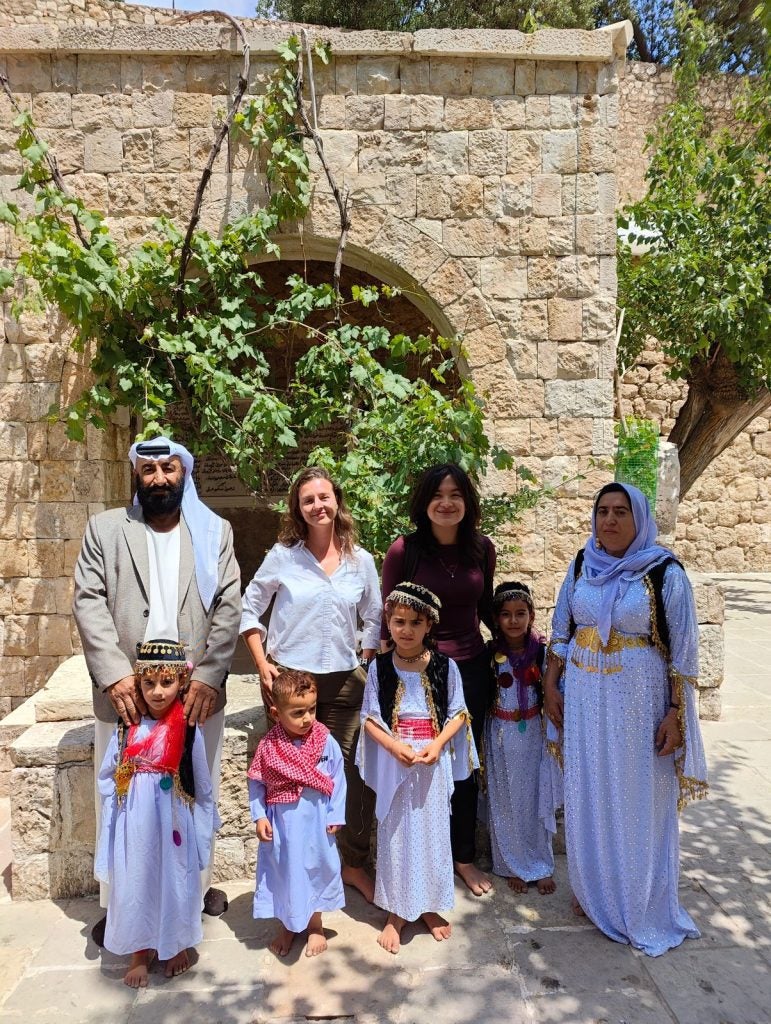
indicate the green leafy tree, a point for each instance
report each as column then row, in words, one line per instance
column 409, row 15
column 736, row 37
column 703, row 288
column 184, row 320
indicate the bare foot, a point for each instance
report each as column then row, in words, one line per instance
column 178, row 964
column 359, row 879
column 576, row 907
column 546, row 885
column 475, row 880
column 517, row 884
column 136, row 975
column 390, row 937
column 437, row 925
column 317, row 940
column 282, row 941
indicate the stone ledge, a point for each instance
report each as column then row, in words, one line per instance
column 600, row 45
column 54, row 743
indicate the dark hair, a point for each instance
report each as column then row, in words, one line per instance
column 469, row 537
column 499, row 600
column 611, row 488
column 293, row 526
column 290, row 683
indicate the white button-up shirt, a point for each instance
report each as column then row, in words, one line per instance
column 314, row 618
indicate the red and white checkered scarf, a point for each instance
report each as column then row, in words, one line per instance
column 285, row 768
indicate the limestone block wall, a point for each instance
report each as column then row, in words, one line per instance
column 481, row 167
column 724, row 524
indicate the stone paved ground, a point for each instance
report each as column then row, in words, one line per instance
column 511, row 959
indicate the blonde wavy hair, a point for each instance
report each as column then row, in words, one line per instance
column 294, row 528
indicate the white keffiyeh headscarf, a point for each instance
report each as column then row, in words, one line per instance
column 205, row 527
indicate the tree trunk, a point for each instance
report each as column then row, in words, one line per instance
column 715, row 412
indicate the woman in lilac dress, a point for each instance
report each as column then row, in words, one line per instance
column 625, row 633
column 450, row 557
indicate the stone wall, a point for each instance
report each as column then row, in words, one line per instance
column 481, row 169
column 724, row 524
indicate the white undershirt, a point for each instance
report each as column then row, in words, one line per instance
column 163, row 556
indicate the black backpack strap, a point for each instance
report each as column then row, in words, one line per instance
column 577, row 565
column 659, row 626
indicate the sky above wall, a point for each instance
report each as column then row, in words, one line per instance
column 239, row 8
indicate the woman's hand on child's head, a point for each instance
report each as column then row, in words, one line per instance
column 331, row 829
column 430, row 753
column 264, row 830
column 403, row 753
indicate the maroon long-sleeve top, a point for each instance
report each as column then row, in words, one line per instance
column 465, row 592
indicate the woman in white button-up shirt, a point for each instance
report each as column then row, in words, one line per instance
column 324, row 585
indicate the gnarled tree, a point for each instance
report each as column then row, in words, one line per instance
column 703, row 287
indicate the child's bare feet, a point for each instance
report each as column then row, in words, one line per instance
column 390, row 937
column 437, row 925
column 282, row 941
column 361, row 880
column 136, row 975
column 178, row 964
column 475, row 879
column 546, row 885
column 576, row 907
column 517, row 884
column 317, row 940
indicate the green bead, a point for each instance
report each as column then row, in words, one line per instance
column 166, row 782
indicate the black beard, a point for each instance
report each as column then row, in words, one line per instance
column 159, row 501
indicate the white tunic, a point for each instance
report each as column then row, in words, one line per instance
column 163, row 559
column 414, row 873
column 298, row 872
column 155, row 885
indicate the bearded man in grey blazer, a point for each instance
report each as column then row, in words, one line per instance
column 162, row 569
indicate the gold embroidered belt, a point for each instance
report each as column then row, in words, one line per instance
column 590, row 654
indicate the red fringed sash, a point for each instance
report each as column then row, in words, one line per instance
column 160, row 751
column 285, row 768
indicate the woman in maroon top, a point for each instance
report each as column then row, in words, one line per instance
column 448, row 555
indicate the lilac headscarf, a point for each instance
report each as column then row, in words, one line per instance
column 615, row 574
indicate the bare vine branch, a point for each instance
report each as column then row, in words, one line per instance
column 56, row 176
column 238, row 95
column 343, row 201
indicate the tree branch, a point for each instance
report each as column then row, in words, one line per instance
column 56, row 176
column 238, row 95
column 343, row 201
column 641, row 42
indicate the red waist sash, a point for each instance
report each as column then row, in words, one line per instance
column 516, row 715
column 416, row 729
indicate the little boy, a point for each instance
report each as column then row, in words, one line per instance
column 297, row 799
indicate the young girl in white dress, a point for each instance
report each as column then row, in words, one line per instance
column 415, row 742
column 522, row 793
column 158, row 820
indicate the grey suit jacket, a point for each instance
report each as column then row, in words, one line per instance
column 111, row 604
